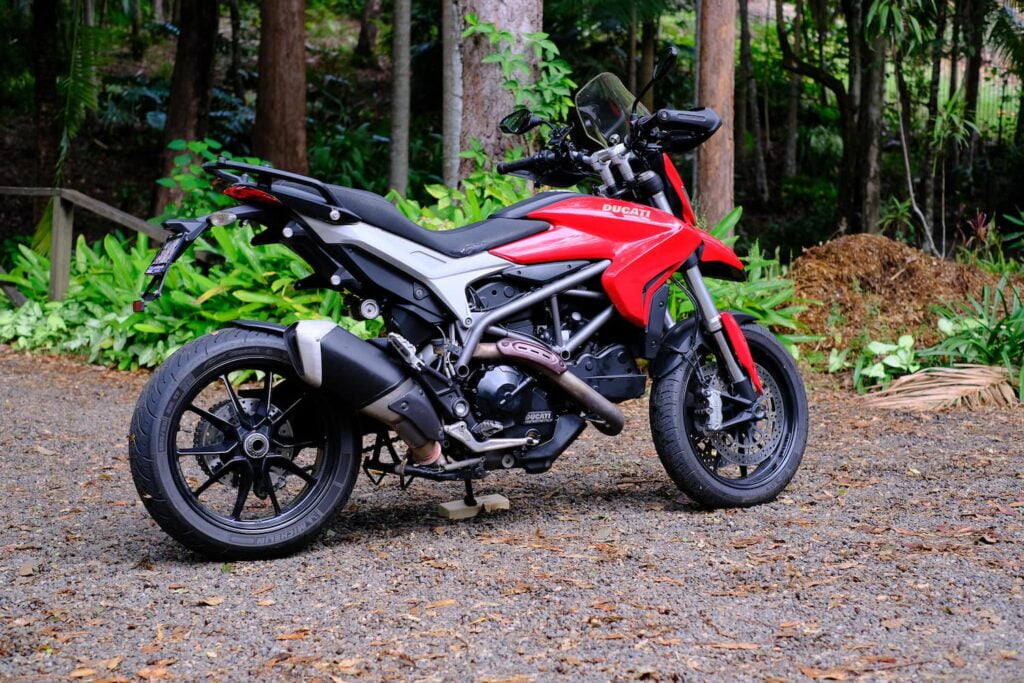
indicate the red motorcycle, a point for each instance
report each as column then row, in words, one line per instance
column 504, row 340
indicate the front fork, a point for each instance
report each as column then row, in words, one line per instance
column 745, row 383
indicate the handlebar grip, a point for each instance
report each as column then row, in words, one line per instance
column 517, row 165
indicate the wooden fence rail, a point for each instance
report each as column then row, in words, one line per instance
column 62, row 237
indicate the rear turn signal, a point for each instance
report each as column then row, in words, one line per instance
column 252, row 195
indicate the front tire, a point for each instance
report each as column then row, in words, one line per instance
column 233, row 455
column 705, row 466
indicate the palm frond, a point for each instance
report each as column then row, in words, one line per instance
column 969, row 386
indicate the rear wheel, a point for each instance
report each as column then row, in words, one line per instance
column 740, row 466
column 233, row 455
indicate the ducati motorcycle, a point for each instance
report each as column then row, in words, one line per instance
column 503, row 340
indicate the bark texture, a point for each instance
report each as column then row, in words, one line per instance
column 451, row 89
column 485, row 101
column 717, row 67
column 280, row 132
column 187, row 113
column 398, row 177
column 793, row 102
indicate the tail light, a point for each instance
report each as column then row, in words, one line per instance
column 252, row 195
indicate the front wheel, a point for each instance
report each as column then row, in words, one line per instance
column 233, row 454
column 742, row 466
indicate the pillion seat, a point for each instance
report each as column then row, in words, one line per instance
column 465, row 241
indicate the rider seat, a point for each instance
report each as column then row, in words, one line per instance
column 458, row 243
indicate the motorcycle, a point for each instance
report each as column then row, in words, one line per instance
column 504, row 340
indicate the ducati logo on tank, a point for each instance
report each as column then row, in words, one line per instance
column 638, row 211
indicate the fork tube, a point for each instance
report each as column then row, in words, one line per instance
column 712, row 319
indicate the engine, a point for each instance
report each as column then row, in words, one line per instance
column 510, row 401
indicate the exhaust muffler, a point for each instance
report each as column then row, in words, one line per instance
column 363, row 377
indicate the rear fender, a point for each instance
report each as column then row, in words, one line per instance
column 681, row 342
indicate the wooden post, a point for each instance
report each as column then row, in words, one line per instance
column 60, row 247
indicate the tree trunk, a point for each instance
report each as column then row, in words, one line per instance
column 366, row 46
column 484, row 99
column 793, row 103
column 89, row 13
column 631, row 51
column 44, row 63
column 136, row 41
column 974, row 35
column 235, row 68
column 1018, row 133
column 280, row 131
column 649, row 40
column 191, row 81
column 750, row 87
column 928, row 166
column 870, row 123
column 906, row 105
column 451, row 89
column 158, row 11
column 717, row 73
column 398, row 178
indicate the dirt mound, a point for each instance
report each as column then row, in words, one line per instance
column 875, row 286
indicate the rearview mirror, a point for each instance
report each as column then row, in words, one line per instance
column 519, row 122
column 666, row 63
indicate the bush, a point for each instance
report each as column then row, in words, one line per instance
column 988, row 332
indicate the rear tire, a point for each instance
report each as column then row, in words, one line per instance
column 690, row 457
column 168, row 458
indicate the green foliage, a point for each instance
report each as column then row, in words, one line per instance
column 992, row 250
column 482, row 193
column 896, row 219
column 198, row 195
column 881, row 362
column 549, row 96
column 767, row 294
column 989, row 332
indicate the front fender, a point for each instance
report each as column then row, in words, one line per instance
column 681, row 341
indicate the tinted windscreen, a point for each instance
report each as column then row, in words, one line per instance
column 603, row 108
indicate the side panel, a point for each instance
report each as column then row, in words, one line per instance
column 719, row 261
column 644, row 244
column 446, row 276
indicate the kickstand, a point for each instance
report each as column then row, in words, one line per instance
column 470, row 499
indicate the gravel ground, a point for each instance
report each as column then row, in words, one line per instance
column 897, row 553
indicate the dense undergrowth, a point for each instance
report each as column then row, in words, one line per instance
column 240, row 281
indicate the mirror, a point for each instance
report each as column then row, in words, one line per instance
column 519, row 122
column 666, row 63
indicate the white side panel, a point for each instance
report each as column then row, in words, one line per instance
column 447, row 277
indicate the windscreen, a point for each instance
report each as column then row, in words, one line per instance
column 603, row 108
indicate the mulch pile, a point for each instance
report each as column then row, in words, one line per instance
column 875, row 286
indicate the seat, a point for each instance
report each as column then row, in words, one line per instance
column 460, row 242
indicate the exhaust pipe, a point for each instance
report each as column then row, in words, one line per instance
column 366, row 379
column 555, row 369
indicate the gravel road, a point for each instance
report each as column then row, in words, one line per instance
column 897, row 553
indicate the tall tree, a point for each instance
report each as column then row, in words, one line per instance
column 401, row 78
column 366, row 46
column 859, row 100
column 44, row 67
column 235, row 67
column 451, row 89
column 749, row 86
column 716, row 86
column 975, row 25
column 928, row 180
column 484, row 98
column 280, row 131
column 191, row 81
column 793, row 93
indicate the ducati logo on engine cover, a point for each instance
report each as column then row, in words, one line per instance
column 538, row 416
column 627, row 210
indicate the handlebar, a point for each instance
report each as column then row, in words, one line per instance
column 545, row 156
